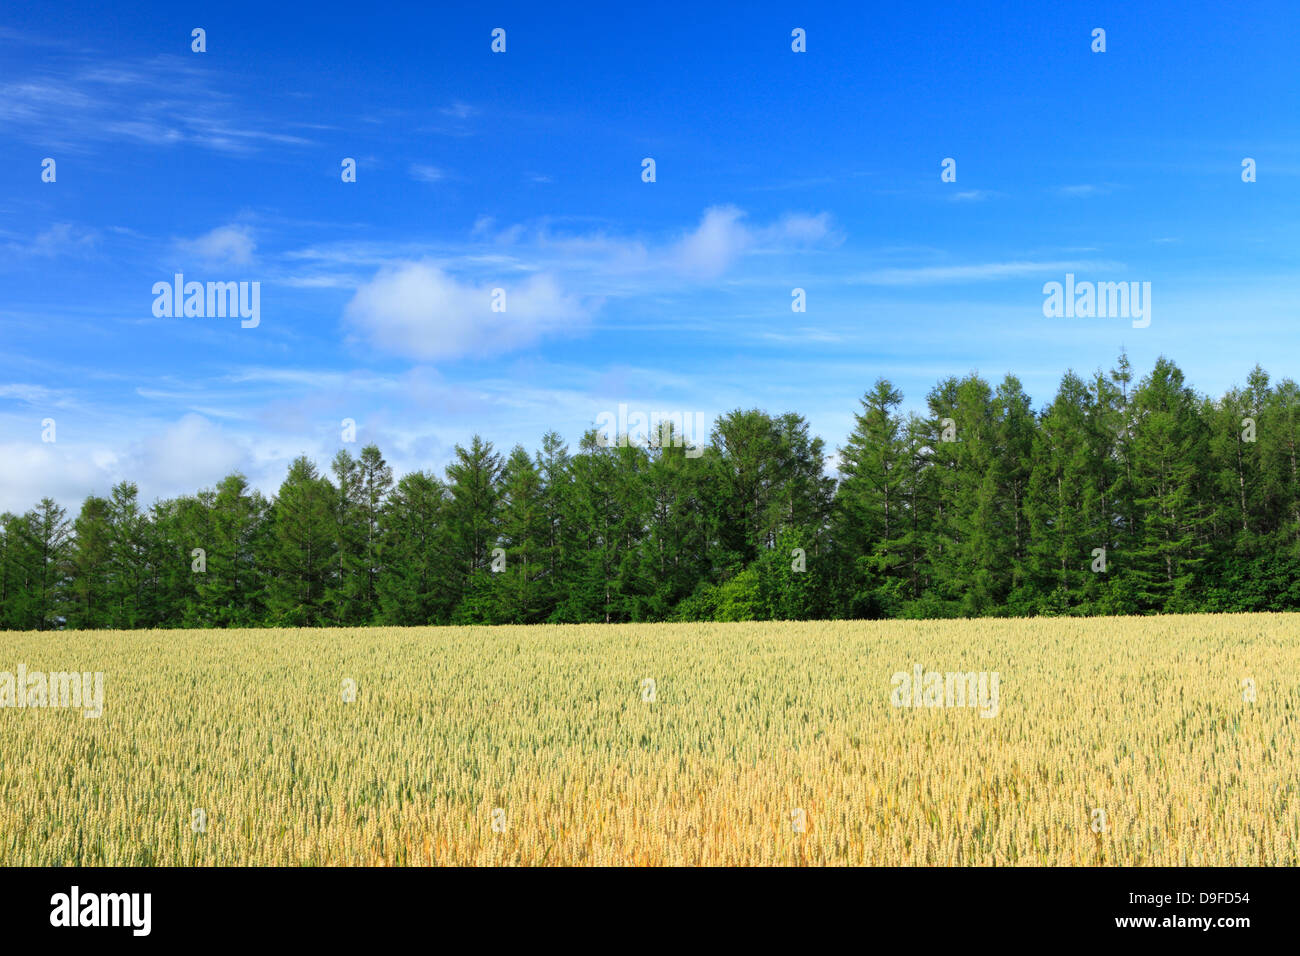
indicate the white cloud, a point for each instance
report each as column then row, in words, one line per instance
column 224, row 246
column 722, row 238
column 417, row 310
column 800, row 227
column 714, row 245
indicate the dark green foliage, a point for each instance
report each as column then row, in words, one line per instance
column 34, row 565
column 415, row 554
column 302, row 562
column 88, row 589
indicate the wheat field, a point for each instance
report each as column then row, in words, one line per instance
column 1167, row 740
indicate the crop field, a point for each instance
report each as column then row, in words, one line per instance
column 1102, row 741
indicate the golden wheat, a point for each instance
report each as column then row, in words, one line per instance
column 764, row 743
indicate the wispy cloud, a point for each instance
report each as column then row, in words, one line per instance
column 600, row 260
column 62, row 238
column 424, row 173
column 165, row 101
column 37, row 396
column 1082, row 190
column 803, row 335
column 978, row 272
column 458, row 110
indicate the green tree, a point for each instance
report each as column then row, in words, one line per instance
column 90, row 590
column 128, row 567
column 415, row 585
column 1169, row 445
column 302, row 558
column 871, row 505
column 525, row 531
column 235, row 535
column 473, row 480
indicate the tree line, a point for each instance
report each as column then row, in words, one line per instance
column 1118, row 497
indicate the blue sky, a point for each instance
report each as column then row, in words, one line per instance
column 522, row 171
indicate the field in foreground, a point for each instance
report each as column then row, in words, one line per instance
column 1165, row 740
